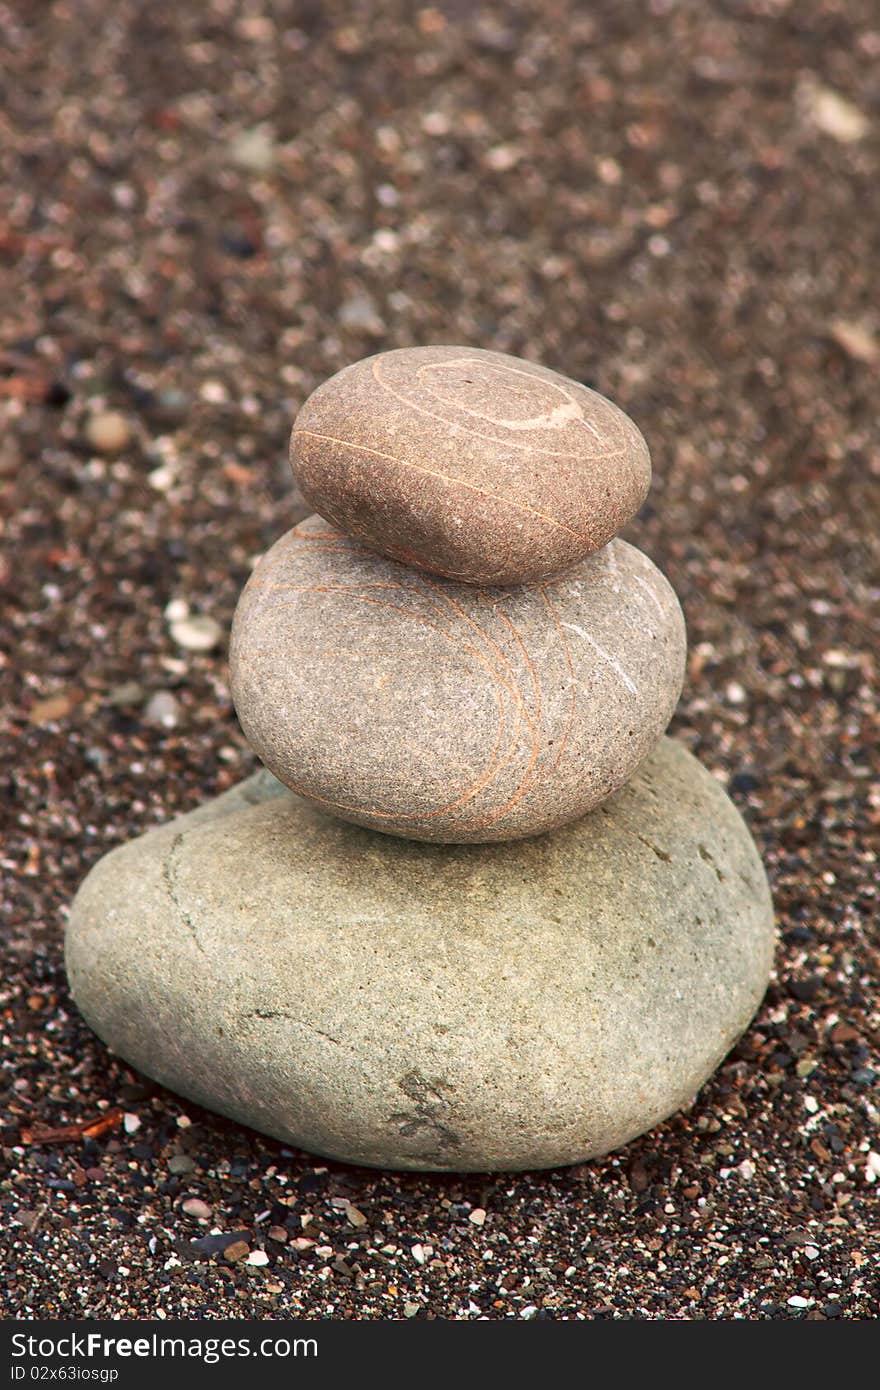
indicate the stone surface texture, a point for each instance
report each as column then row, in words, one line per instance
column 444, row 712
column 419, row 1006
column 475, row 465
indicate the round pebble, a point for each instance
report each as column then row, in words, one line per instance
column 444, row 712
column 422, row 1006
column 481, row 467
column 108, row 431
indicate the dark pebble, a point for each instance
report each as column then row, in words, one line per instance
column 212, row 1245
column 742, row 783
column 805, row 990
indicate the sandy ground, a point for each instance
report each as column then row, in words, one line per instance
column 209, row 208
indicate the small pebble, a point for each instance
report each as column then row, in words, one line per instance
column 131, row 1123
column 108, row 431
column 477, row 1216
column 238, row 1250
column 161, row 478
column 196, row 634
column 256, row 1257
column 176, row 609
column 181, row 1164
column 163, row 709
column 857, row 340
column 832, row 113
column 360, row 315
column 194, row 1206
column 52, row 709
column 254, row 150
column 127, row 694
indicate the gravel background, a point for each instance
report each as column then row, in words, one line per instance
column 207, row 209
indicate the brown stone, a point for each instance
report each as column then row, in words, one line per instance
column 238, row 1250
column 440, row 711
column 470, row 464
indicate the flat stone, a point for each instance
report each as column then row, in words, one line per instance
column 444, row 712
column 474, row 465
column 409, row 1005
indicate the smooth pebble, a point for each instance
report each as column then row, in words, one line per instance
column 439, row 711
column 470, row 464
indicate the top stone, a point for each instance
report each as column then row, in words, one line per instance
column 469, row 464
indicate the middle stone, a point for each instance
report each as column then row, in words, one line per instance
column 441, row 711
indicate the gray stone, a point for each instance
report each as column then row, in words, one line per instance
column 475, row 465
column 408, row 1005
column 444, row 712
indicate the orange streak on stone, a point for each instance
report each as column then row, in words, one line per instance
column 445, row 478
column 573, row 701
column 487, row 774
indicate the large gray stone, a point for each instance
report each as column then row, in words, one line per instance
column 409, row 1005
column 440, row 711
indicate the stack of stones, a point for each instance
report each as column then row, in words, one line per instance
column 563, row 925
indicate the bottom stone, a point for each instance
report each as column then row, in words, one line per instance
column 446, row 1007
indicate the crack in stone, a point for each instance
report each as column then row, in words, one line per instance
column 424, row 1119
column 169, row 875
column 424, row 1090
column 298, row 1022
column 660, row 853
column 412, row 1126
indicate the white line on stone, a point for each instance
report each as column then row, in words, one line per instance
column 606, row 656
column 643, row 584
